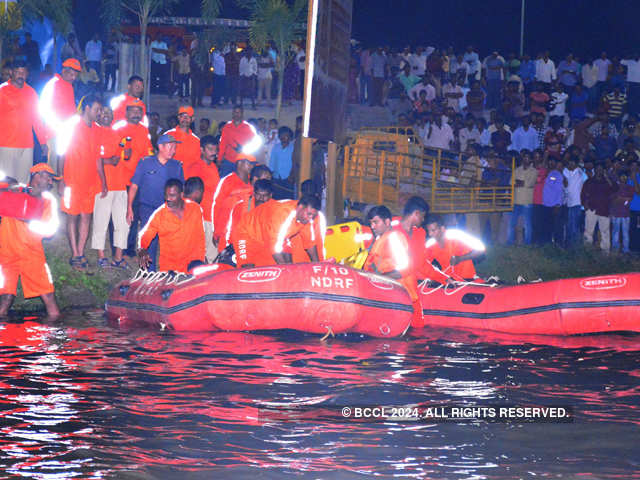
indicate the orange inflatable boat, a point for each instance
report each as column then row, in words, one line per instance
column 573, row 306
column 313, row 297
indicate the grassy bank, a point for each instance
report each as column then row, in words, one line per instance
column 551, row 263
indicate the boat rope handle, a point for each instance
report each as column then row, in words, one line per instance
column 188, row 278
column 329, row 332
column 141, row 273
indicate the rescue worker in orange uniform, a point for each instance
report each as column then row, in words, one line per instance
column 19, row 119
column 188, row 151
column 244, row 203
column 410, row 225
column 140, row 144
column 262, row 192
column 79, row 146
column 207, row 170
column 266, row 238
column 235, row 135
column 57, row 103
column 21, row 253
column 234, row 184
column 178, row 223
column 111, row 201
column 119, row 104
column 453, row 249
column 389, row 255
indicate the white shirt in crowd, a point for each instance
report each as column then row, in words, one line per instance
column 452, row 102
column 589, row 75
column 414, row 92
column 468, row 137
column 524, row 139
column 575, row 180
column 473, row 61
column 441, row 137
column 93, row 51
column 418, row 63
column 248, row 67
column 559, row 102
column 156, row 57
column 217, row 61
column 633, row 70
column 545, row 70
column 603, row 68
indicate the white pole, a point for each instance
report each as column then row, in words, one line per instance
column 522, row 29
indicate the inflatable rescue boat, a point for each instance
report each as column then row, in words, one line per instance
column 312, row 297
column 604, row 304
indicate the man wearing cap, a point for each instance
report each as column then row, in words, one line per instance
column 21, row 253
column 57, row 102
column 207, row 170
column 133, row 96
column 19, row 107
column 148, row 183
column 230, row 187
column 134, row 136
column 235, row 134
column 78, row 145
column 188, row 149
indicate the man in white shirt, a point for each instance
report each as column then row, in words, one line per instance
column 559, row 101
column 602, row 64
column 452, row 94
column 93, row 53
column 438, row 133
column 248, row 76
column 574, row 178
column 419, row 62
column 473, row 61
column 219, row 78
column 589, row 81
column 545, row 71
column 469, row 134
column 633, row 83
column 524, row 137
column 414, row 92
column 159, row 66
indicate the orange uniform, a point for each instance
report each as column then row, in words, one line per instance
column 243, row 207
column 314, row 235
column 114, row 174
column 181, row 239
column 19, row 107
column 234, row 136
column 390, row 252
column 457, row 243
column 80, row 145
column 268, row 230
column 22, row 255
column 140, row 145
column 57, row 103
column 210, row 176
column 229, row 190
column 119, row 106
column 421, row 268
column 188, row 151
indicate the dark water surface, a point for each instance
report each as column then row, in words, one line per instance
column 81, row 399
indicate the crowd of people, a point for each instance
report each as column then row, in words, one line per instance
column 174, row 199
column 574, row 144
column 571, row 129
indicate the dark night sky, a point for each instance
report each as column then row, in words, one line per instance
column 585, row 27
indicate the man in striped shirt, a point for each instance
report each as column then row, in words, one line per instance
column 617, row 103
